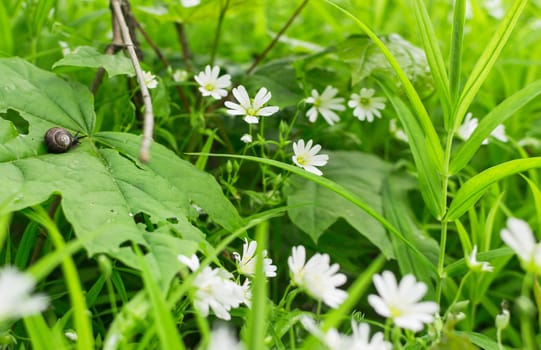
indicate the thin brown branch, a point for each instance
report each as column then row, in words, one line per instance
column 181, row 33
column 263, row 54
column 148, row 117
column 115, row 46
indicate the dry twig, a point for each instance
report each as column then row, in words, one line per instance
column 148, row 117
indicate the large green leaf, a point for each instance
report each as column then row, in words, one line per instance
column 87, row 56
column 314, row 208
column 365, row 59
column 104, row 188
column 398, row 210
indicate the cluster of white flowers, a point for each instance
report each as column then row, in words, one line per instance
column 16, row 298
column 317, row 276
column 215, row 288
column 358, row 340
column 470, row 124
column 365, row 105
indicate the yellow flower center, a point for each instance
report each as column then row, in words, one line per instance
column 302, row 160
column 317, row 102
column 209, row 87
column 395, row 311
column 364, row 101
column 251, row 112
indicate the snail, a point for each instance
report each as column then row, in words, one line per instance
column 59, row 140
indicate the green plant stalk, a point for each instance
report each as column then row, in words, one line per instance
column 258, row 313
column 526, row 328
column 83, row 325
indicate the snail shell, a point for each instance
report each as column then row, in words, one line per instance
column 59, row 140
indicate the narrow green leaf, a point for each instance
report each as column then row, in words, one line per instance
column 333, row 186
column 85, row 338
column 397, row 209
column 6, row 34
column 430, row 178
column 536, row 196
column 498, row 115
column 38, row 15
column 457, row 39
column 413, row 96
column 258, row 314
column 485, row 63
column 433, row 54
column 475, row 187
column 163, row 319
column 40, row 335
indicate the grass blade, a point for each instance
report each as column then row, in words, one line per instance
column 475, row 187
column 485, row 63
column 498, row 115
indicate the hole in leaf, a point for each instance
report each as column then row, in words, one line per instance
column 129, row 244
column 144, row 219
column 172, row 220
column 18, row 122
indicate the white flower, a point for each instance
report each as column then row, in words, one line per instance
column 246, row 138
column 499, row 133
column 71, row 335
column 470, row 124
column 519, row 236
column 150, row 80
column 401, row 302
column 358, row 340
column 365, row 105
column 398, row 133
column 468, row 127
column 247, row 291
column 251, row 109
column 16, row 300
column 215, row 289
column 474, row 265
column 246, row 264
column 222, row 338
column 324, row 104
column 179, row 75
column 210, row 84
column 317, row 277
column 190, row 3
column 66, row 50
column 495, row 8
column 307, row 158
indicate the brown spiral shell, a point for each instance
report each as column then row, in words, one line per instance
column 59, row 140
